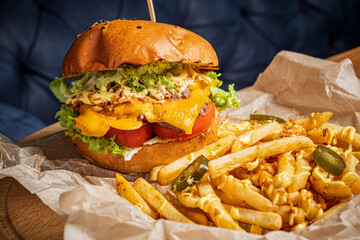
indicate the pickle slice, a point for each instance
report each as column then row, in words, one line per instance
column 191, row 174
column 328, row 160
column 266, row 118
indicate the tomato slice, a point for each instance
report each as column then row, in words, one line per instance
column 201, row 124
column 131, row 138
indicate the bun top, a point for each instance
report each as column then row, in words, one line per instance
column 110, row 45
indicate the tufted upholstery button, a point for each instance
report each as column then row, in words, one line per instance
column 246, row 34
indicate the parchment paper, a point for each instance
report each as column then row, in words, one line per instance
column 293, row 85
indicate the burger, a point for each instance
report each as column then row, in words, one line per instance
column 138, row 94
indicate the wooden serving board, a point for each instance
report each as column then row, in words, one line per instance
column 24, row 216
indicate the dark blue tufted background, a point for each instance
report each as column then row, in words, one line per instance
column 36, row 34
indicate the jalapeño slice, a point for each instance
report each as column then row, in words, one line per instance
column 191, row 174
column 328, row 160
column 266, row 118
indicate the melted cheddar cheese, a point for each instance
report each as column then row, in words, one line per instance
column 181, row 114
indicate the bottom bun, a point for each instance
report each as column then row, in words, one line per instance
column 150, row 156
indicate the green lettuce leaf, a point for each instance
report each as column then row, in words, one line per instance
column 215, row 76
column 102, row 145
column 223, row 99
column 63, row 92
column 138, row 78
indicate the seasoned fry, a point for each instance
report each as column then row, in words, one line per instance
column 291, row 216
column 255, row 229
column 302, row 172
column 158, row 201
column 285, row 171
column 268, row 220
column 154, row 172
column 313, row 210
column 168, row 173
column 233, row 128
column 254, row 135
column 211, row 204
column 351, row 162
column 346, row 134
column 322, row 184
column 188, row 199
column 126, row 191
column 195, row 215
column 314, row 121
column 352, row 180
column 265, row 180
column 233, row 186
column 356, row 154
column 230, row 199
column 229, row 162
column 331, row 211
column 321, row 135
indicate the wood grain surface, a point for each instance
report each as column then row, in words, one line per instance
column 24, row 216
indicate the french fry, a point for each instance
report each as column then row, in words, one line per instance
column 158, row 201
column 321, row 135
column 230, row 199
column 188, row 199
column 314, row 121
column 352, row 180
column 235, row 128
column 313, row 210
column 255, row 229
column 285, row 171
column 331, row 211
column 351, row 162
column 211, row 204
column 268, row 220
column 168, row 173
column 126, row 191
column 346, row 134
column 194, row 214
column 356, row 154
column 254, row 135
column 302, row 172
column 291, row 216
column 154, row 172
column 231, row 161
column 233, row 186
column 327, row 187
column 265, row 180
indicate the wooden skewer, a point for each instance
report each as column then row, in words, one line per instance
column 151, row 10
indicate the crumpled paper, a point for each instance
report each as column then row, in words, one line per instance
column 293, row 85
